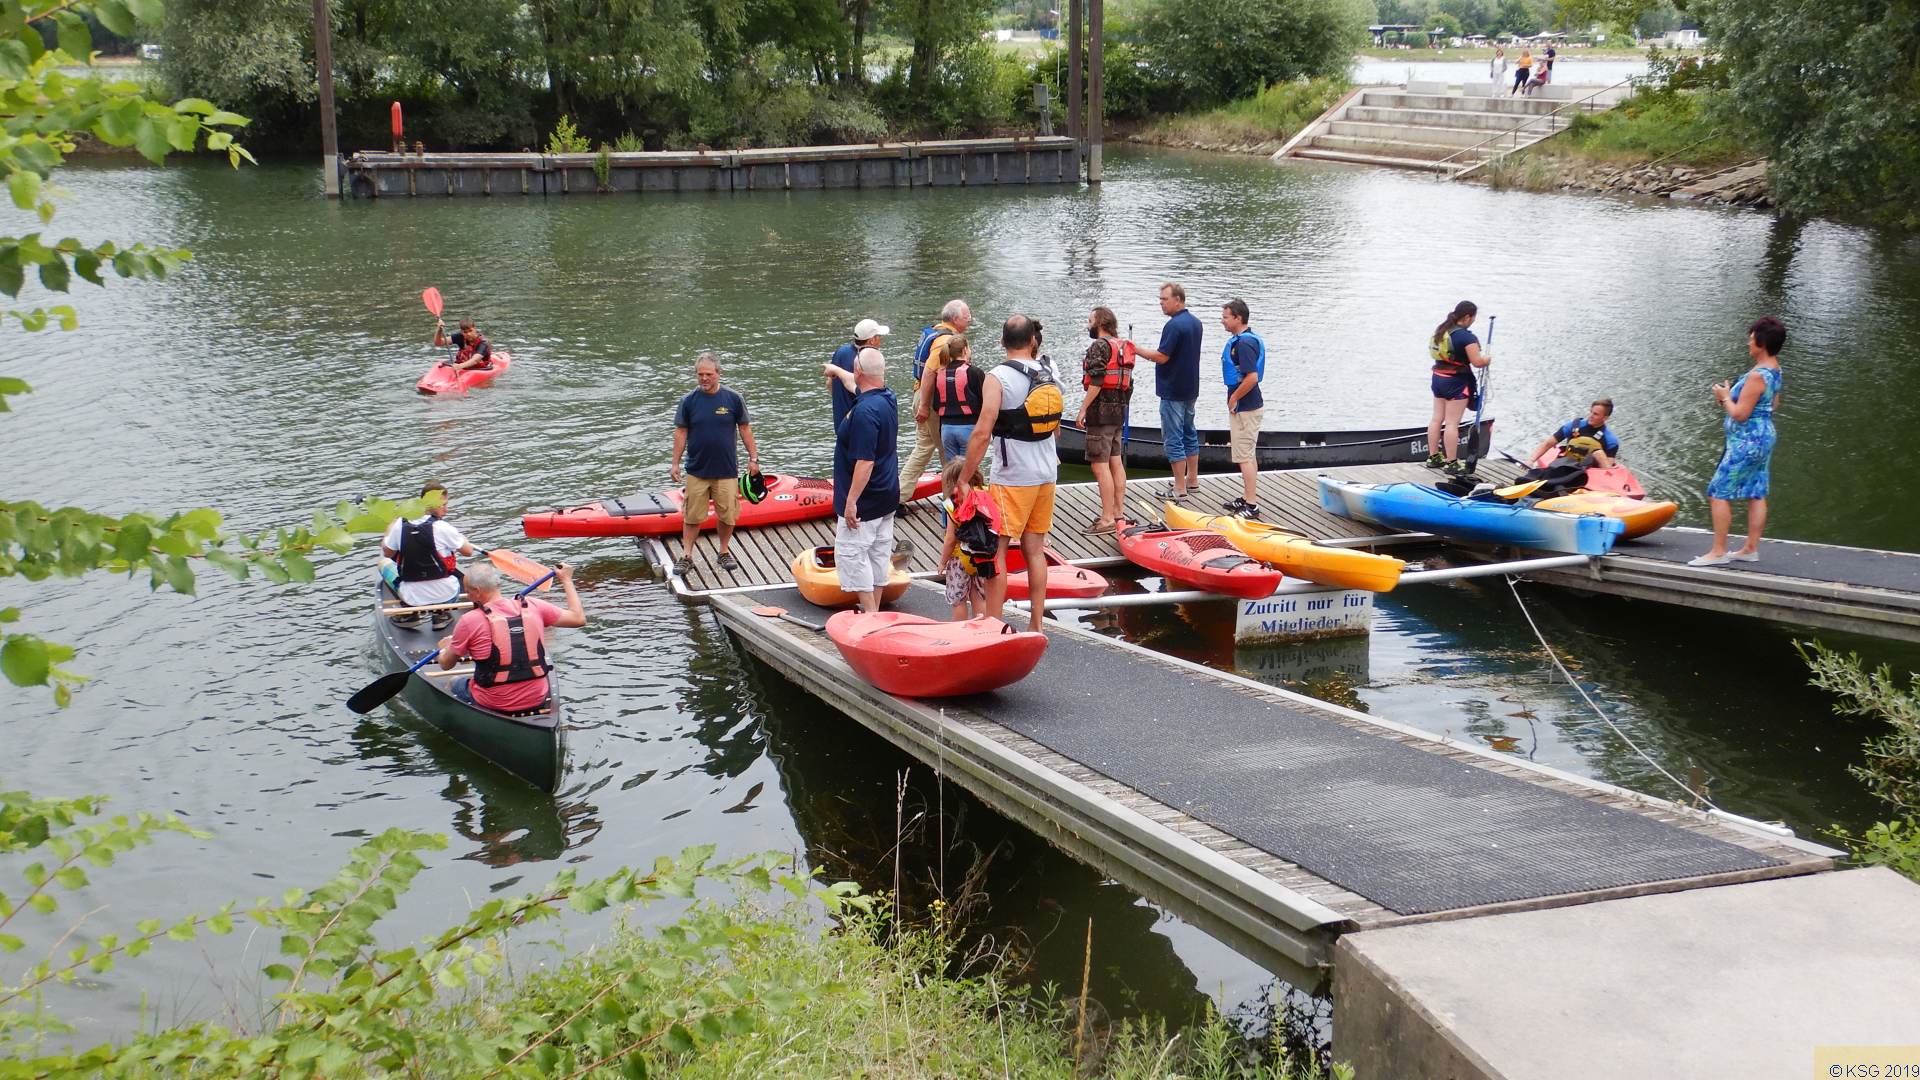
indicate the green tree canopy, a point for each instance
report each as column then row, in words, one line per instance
column 1222, row 50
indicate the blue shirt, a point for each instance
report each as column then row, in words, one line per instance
column 842, row 397
column 871, row 432
column 710, row 420
column 1578, row 426
column 1249, row 358
column 1179, row 378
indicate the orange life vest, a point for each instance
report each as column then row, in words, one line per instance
column 519, row 637
column 1119, row 371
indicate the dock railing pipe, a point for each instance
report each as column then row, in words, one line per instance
column 1289, row 588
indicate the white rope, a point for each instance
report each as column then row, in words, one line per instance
column 1513, row 587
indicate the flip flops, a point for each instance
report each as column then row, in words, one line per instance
column 1094, row 528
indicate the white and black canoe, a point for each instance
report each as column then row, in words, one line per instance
column 1277, row 449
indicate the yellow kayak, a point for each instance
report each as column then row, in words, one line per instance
column 819, row 581
column 1642, row 516
column 1296, row 555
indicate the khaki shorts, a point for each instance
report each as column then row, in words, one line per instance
column 704, row 494
column 1024, row 509
column 1103, row 442
column 1245, row 435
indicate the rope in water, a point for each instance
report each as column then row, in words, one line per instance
column 1513, row 587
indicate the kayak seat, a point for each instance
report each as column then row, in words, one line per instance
column 806, row 482
column 638, row 506
column 1207, row 542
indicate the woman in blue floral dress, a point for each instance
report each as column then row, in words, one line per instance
column 1743, row 471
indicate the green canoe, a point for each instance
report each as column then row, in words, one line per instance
column 532, row 747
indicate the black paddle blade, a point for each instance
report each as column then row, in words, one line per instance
column 378, row 692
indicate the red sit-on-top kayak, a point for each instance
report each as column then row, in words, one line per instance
column 1619, row 479
column 1063, row 579
column 914, row 656
column 443, row 379
column 788, row 499
column 1196, row 557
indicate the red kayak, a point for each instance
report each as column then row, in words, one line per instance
column 443, row 379
column 1063, row 579
column 1196, row 557
column 914, row 656
column 1618, row 479
column 788, row 499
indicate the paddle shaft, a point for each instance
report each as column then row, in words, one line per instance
column 1480, row 410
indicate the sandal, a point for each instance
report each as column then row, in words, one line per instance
column 1097, row 529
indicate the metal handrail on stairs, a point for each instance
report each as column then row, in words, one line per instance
column 1631, row 82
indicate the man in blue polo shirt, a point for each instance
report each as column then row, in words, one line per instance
column 1177, row 382
column 703, row 430
column 867, row 334
column 866, row 483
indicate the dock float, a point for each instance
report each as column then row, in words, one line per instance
column 1040, row 159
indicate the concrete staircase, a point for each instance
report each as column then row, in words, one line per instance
column 1448, row 130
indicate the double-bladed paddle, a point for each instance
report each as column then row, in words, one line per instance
column 379, row 691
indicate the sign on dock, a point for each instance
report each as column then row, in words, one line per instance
column 1304, row 616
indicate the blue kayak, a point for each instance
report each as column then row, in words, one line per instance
column 1421, row 508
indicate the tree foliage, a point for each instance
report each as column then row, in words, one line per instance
column 1833, row 91
column 1223, row 50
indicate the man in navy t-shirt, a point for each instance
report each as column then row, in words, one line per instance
column 703, row 431
column 866, row 483
column 1177, row 382
column 867, row 334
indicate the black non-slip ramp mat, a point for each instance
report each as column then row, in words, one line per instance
column 1895, row 570
column 1410, row 830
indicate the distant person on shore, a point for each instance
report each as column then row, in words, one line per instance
column 1020, row 410
column 704, row 427
column 967, row 556
column 866, row 493
column 951, row 391
column 1177, row 383
column 1551, row 54
column 471, row 349
column 1243, row 363
column 867, row 334
column 1455, row 352
column 1542, row 74
column 1108, row 380
column 955, row 317
column 423, row 550
column 1497, row 68
column 1522, row 71
column 506, row 639
column 1744, row 466
column 1584, row 439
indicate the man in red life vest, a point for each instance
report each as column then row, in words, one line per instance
column 506, row 639
column 471, row 349
column 1108, row 380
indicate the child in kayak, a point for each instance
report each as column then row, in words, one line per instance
column 973, row 539
column 471, row 347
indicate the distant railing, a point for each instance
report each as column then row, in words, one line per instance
column 1531, row 126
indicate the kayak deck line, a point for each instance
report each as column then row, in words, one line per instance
column 1274, row 821
column 1821, row 586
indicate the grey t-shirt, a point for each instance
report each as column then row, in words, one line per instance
column 1017, row 463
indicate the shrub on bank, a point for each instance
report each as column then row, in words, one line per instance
column 1676, row 126
column 1275, row 114
column 1892, row 767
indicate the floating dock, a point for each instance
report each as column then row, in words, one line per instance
column 1038, row 159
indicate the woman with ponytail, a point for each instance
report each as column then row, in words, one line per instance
column 1455, row 352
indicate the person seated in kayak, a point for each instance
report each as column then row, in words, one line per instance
column 471, row 349
column 506, row 640
column 426, row 550
column 968, row 556
column 1584, row 439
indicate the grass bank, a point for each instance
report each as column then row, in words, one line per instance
column 1649, row 144
column 1258, row 124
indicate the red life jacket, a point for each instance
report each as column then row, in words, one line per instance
column 420, row 558
column 1119, row 372
column 519, row 636
column 470, row 344
column 956, row 393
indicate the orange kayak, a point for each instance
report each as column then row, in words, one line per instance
column 1640, row 516
column 1063, row 578
column 914, row 656
column 1619, row 479
column 819, row 580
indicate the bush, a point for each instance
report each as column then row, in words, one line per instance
column 567, row 139
column 1680, row 126
column 977, row 90
column 1892, row 768
column 1275, row 114
column 1133, row 90
column 1224, row 50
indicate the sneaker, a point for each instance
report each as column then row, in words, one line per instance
column 1456, row 468
column 1436, row 461
column 1249, row 512
column 407, row 620
column 1234, row 505
column 442, row 620
column 727, row 562
column 683, row 565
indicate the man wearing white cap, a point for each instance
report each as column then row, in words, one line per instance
column 867, row 334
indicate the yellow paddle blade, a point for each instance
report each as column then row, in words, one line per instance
column 1518, row 491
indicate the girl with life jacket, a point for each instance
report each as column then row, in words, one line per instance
column 506, row 639
column 969, row 555
column 1455, row 352
column 471, row 349
column 951, row 392
column 1107, row 377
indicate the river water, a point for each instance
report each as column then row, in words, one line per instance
column 275, row 375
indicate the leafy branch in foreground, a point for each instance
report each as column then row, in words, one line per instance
column 348, row 1005
column 1892, row 766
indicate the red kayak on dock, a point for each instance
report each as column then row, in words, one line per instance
column 914, row 656
column 1063, row 578
column 1196, row 557
column 443, row 379
column 1619, row 479
column 788, row 499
